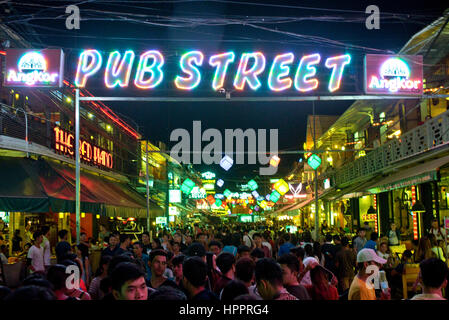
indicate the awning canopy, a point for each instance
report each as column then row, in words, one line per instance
column 28, row 185
column 421, row 173
column 20, row 188
column 117, row 198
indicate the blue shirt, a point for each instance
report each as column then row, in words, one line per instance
column 145, row 259
column 285, row 248
column 230, row 249
column 370, row 244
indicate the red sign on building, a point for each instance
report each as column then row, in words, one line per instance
column 34, row 68
column 65, row 144
column 393, row 74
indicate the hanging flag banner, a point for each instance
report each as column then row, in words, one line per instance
column 393, row 74
column 34, row 68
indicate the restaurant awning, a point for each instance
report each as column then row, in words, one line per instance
column 418, row 174
column 118, row 199
column 29, row 185
column 20, row 188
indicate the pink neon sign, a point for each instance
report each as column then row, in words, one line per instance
column 393, row 74
column 247, row 71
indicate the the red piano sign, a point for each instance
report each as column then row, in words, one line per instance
column 65, row 144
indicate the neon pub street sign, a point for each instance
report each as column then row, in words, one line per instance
column 285, row 70
column 34, row 68
column 65, row 144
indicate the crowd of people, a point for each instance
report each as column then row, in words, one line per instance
column 227, row 263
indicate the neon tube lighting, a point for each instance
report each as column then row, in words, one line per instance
column 306, row 71
column 187, row 66
column 117, row 72
column 244, row 75
column 280, row 69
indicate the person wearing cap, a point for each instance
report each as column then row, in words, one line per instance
column 360, row 290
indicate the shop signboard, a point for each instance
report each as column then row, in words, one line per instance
column 245, row 218
column 369, row 217
column 415, row 225
column 393, row 74
column 161, row 220
column 174, row 196
column 89, row 153
column 327, row 183
column 34, row 68
column 198, row 193
column 208, row 175
column 296, row 191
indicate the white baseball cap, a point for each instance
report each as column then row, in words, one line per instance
column 366, row 255
column 310, row 260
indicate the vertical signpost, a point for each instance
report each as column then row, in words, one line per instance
column 77, row 162
column 148, row 187
column 317, row 224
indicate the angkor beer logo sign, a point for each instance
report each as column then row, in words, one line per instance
column 387, row 74
column 34, row 68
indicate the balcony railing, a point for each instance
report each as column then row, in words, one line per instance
column 27, row 126
column 434, row 132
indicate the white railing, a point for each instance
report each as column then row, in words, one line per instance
column 432, row 133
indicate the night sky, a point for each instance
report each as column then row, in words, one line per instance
column 345, row 23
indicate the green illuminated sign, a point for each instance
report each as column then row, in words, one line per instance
column 227, row 193
column 274, row 196
column 208, row 175
column 187, row 186
column 252, row 185
column 314, row 161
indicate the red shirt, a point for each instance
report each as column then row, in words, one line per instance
column 220, row 284
column 320, row 293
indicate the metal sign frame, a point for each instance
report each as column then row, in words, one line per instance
column 212, row 99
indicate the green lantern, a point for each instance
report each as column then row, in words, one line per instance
column 314, row 161
column 274, row 196
column 252, row 185
column 187, row 186
column 218, row 202
column 227, row 193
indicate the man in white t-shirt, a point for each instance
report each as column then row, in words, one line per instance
column 438, row 231
column 36, row 253
column 247, row 241
column 46, row 246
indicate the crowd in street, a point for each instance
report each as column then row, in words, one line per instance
column 231, row 262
